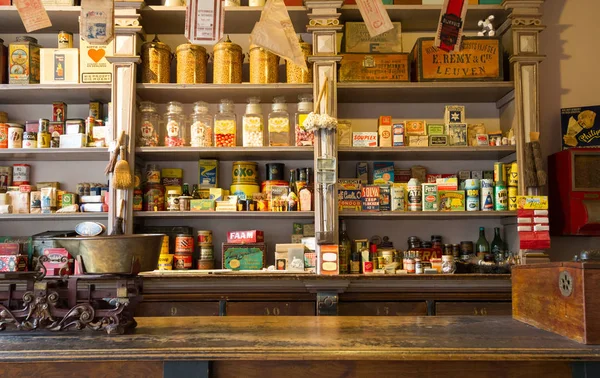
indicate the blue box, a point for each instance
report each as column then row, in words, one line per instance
column 580, row 128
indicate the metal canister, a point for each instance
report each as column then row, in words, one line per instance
column 387, row 254
column 206, row 264
column 152, row 174
column 472, row 191
column 165, row 262
column 499, row 173
column 3, row 135
column 15, row 135
column 164, row 249
column 486, row 195
column 512, row 198
column 275, row 171
column 500, row 198
column 184, row 244
column 207, row 253
column 264, row 66
column 244, row 172
column 156, row 62
column 55, row 142
column 227, row 62
column 30, row 140
column 513, row 178
column 205, row 238
column 43, row 140
column 182, row 262
column 415, row 199
column 65, row 40
column 294, row 73
column 466, row 250
column 191, row 64
column 21, row 174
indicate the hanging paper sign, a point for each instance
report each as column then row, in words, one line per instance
column 33, row 14
column 96, row 21
column 204, row 21
column 375, row 16
column 450, row 29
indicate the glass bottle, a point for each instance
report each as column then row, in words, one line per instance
column 279, row 123
column 195, row 192
column 225, row 125
column 176, row 135
column 186, row 189
column 301, row 180
column 305, row 194
column 253, row 124
column 305, row 106
column 482, row 247
column 201, row 129
column 345, row 248
column 355, row 261
column 292, row 196
column 497, row 246
column 148, row 126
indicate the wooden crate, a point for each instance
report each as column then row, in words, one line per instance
column 559, row 297
column 374, row 67
column 480, row 59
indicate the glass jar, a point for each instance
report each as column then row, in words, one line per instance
column 176, row 135
column 201, row 129
column 191, row 64
column 148, row 125
column 264, row 66
column 225, row 125
column 253, row 124
column 156, row 62
column 227, row 63
column 296, row 74
column 305, row 106
column 279, row 123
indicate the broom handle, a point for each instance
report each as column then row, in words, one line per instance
column 321, row 93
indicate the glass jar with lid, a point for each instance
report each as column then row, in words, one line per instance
column 279, row 123
column 253, row 124
column 227, row 62
column 191, row 64
column 156, row 62
column 148, row 129
column 264, row 66
column 225, row 125
column 175, row 131
column 201, row 129
column 305, row 106
column 296, row 74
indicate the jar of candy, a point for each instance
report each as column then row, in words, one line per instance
column 279, row 123
column 147, row 135
column 176, row 135
column 252, row 124
column 225, row 125
column 305, row 106
column 201, row 129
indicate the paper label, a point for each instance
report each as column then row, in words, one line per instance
column 33, row 14
column 375, row 16
column 450, row 28
column 96, row 21
column 204, row 21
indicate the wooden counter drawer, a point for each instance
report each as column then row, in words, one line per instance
column 271, row 308
column 473, row 308
column 177, row 309
column 382, row 308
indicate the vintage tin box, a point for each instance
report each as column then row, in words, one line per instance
column 244, row 256
column 480, row 59
column 358, row 40
column 24, row 61
column 349, row 194
column 374, row 67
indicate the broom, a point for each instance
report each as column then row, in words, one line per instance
column 122, row 175
column 114, row 155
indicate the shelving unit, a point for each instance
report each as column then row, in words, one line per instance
column 425, row 153
column 54, row 217
column 59, row 154
column 44, row 93
column 428, row 215
column 223, row 153
column 61, row 17
column 226, row 214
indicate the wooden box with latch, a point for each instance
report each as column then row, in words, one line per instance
column 560, row 297
column 374, row 67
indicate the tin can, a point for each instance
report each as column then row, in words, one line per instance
column 191, row 64
column 90, row 122
column 165, row 262
column 138, row 200
column 500, row 198
column 397, row 198
column 15, row 135
column 184, row 244
column 418, row 266
column 227, row 63
column 164, row 249
column 3, row 135
column 154, row 197
column 205, row 238
column 29, row 140
column 172, row 200
column 275, row 171
column 24, row 61
column 55, row 141
column 43, row 140
column 43, row 125
column 207, row 253
column 388, row 255
column 156, row 62
column 513, row 178
column 182, row 262
column 430, row 197
column 512, row 198
column 185, row 203
column 206, row 264
column 486, row 195
column 264, row 66
column 244, row 172
column 65, row 40
column 87, row 189
column 21, row 174
column 294, row 73
column 414, row 195
column 472, row 203
column 499, row 173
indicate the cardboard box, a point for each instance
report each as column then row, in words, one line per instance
column 418, row 140
column 73, row 141
column 208, row 173
column 458, row 134
column 447, row 183
column 402, row 175
column 344, row 133
column 385, row 136
column 349, row 191
column 385, row 201
column 454, row 114
column 383, row 172
column 362, row 172
column 93, row 65
column 60, row 259
column 244, row 256
column 580, row 128
column 415, row 128
column 398, row 197
column 374, row 68
column 364, row 139
column 13, row 263
column 329, row 260
column 398, row 134
column 370, row 198
column 532, row 202
column 218, row 194
column 358, row 40
column 438, row 140
column 245, row 237
column 8, row 249
column 59, row 66
column 436, row 129
column 452, row 200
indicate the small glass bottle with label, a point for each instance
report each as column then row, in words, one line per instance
column 176, row 133
column 253, row 124
column 305, row 106
column 225, row 125
column 201, row 129
column 148, row 130
column 279, row 123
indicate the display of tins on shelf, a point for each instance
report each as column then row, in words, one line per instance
column 296, row 74
column 227, row 62
column 264, row 66
column 191, row 64
column 156, row 62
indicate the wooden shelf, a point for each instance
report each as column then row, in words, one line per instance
column 429, row 215
column 46, row 93
column 425, row 153
column 213, row 93
column 226, row 214
column 224, row 153
column 62, row 18
column 54, row 217
column 442, row 92
column 55, row 154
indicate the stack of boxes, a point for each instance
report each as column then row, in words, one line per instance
column 534, row 228
column 245, row 250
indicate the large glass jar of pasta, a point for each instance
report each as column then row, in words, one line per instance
column 201, row 128
column 296, row 74
column 148, row 128
column 279, row 123
column 191, row 64
column 175, row 131
column 252, row 124
column 156, row 62
column 227, row 63
column 225, row 125
column 264, row 66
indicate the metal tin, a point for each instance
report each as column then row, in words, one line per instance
column 205, row 238
column 164, row 249
column 89, row 229
column 499, row 173
column 513, row 179
column 294, row 73
column 227, row 62
column 43, row 125
column 206, row 264
column 388, row 255
column 486, row 195
column 156, row 62
column 152, row 174
column 415, row 197
column 3, row 135
column 15, row 135
column 182, row 262
column 165, row 262
column 191, row 64
column 512, row 198
column 172, row 200
column 264, row 66
column 43, row 140
column 5, row 178
column 24, row 61
column 65, row 40
column 75, row 126
column 430, row 197
column 500, row 198
column 154, row 197
column 472, row 203
column 138, row 196
column 207, row 253
column 244, row 172
column 184, row 244
column 30, row 140
column 185, row 203
column 21, row 174
column 275, row 171
column 55, row 142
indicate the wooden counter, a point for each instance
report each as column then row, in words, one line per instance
column 294, row 346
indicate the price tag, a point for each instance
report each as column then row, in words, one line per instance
column 450, row 29
column 33, row 14
column 375, row 16
column 204, row 21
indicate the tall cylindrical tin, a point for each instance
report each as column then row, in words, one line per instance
column 156, row 62
column 500, row 198
column 264, row 66
column 499, row 173
column 294, row 73
column 512, row 198
column 472, row 194
column 513, row 179
column 191, row 64
column 227, row 63
column 65, row 40
column 415, row 198
column 486, row 195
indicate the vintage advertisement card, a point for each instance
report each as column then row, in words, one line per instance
column 33, row 14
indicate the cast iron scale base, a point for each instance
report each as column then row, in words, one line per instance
column 29, row 301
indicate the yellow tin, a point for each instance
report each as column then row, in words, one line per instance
column 164, row 249
column 156, row 62
column 294, row 73
column 264, row 66
column 165, row 262
column 512, row 198
column 227, row 63
column 513, row 176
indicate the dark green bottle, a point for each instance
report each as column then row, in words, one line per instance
column 482, row 247
column 497, row 246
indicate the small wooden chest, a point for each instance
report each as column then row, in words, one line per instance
column 480, row 59
column 374, row 67
column 559, row 297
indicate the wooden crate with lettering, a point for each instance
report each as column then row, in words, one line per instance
column 480, row 59
column 374, row 68
column 559, row 297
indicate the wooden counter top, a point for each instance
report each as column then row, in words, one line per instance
column 303, row 338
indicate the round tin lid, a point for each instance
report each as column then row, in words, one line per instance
column 227, row 45
column 156, row 43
